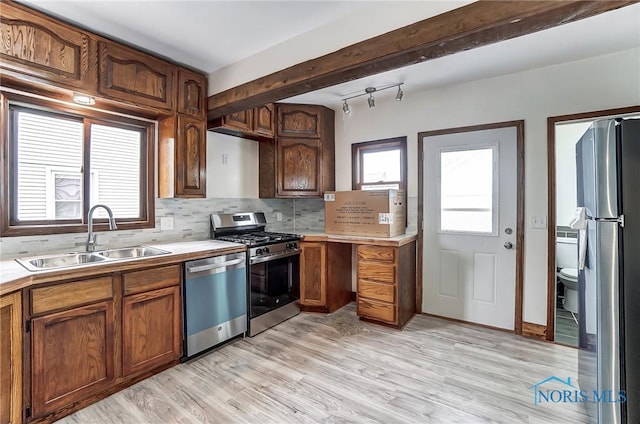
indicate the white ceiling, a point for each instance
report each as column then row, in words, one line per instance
column 213, row 35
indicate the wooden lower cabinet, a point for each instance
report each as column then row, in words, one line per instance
column 386, row 290
column 150, row 329
column 11, row 358
column 73, row 354
column 325, row 276
column 90, row 338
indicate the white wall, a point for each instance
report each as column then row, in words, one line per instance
column 567, row 135
column 238, row 177
column 588, row 85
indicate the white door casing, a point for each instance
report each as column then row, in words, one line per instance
column 469, row 268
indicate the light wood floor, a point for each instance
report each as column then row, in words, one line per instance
column 304, row 371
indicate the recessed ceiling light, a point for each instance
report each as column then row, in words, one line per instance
column 83, row 99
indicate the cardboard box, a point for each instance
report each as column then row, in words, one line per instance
column 377, row 213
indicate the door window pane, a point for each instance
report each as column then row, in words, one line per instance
column 115, row 168
column 43, row 142
column 467, row 195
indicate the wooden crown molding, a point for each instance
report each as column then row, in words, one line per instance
column 477, row 24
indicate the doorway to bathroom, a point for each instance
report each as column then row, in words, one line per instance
column 563, row 317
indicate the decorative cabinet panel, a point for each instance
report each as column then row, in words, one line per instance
column 241, row 121
column 191, row 157
column 11, row 359
column 313, row 279
column 135, row 77
column 42, row 47
column 263, row 120
column 299, row 120
column 298, row 167
column 73, row 356
column 182, row 157
column 325, row 276
column 151, row 329
column 303, row 165
column 192, row 94
column 386, row 283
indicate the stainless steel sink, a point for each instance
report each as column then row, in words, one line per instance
column 60, row 261
column 68, row 260
column 132, row 252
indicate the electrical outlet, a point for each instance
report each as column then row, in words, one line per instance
column 539, row 222
column 278, row 216
column 166, row 223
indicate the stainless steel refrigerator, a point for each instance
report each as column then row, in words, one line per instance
column 608, row 167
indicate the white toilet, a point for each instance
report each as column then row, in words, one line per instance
column 567, row 261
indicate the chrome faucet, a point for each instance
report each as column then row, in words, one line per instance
column 91, row 239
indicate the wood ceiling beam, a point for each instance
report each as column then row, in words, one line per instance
column 477, row 24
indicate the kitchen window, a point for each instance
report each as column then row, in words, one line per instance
column 379, row 164
column 62, row 163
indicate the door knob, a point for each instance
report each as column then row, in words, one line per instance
column 508, row 245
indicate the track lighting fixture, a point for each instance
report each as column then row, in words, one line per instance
column 371, row 101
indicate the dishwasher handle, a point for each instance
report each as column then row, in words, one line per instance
column 214, row 267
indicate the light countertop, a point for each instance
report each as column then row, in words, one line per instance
column 377, row 241
column 14, row 276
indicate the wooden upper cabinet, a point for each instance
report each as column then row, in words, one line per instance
column 192, row 94
column 263, row 120
column 191, row 159
column 129, row 75
column 242, row 121
column 42, row 47
column 299, row 121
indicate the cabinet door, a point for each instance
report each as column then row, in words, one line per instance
column 299, row 120
column 313, row 281
column 242, row 121
column 263, row 120
column 190, row 157
column 41, row 47
column 72, row 356
column 151, row 329
column 10, row 359
column 192, row 93
column 135, row 77
column 298, row 167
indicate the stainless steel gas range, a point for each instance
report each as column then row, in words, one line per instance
column 273, row 271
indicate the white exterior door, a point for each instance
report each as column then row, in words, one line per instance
column 469, row 232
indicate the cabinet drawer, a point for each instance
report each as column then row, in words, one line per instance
column 69, row 295
column 378, row 291
column 151, row 279
column 377, row 310
column 377, row 253
column 383, row 273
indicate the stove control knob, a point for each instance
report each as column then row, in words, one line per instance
column 258, row 251
column 265, row 250
column 292, row 245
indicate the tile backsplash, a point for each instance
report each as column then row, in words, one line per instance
column 190, row 223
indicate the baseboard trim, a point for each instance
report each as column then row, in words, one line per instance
column 460, row 321
column 537, row 331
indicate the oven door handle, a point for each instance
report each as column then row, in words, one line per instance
column 260, row 259
column 211, row 267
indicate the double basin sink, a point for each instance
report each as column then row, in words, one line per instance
column 66, row 260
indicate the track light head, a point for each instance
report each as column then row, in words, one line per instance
column 371, row 101
column 399, row 94
column 345, row 107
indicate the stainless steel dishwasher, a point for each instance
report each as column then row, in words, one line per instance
column 215, row 308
